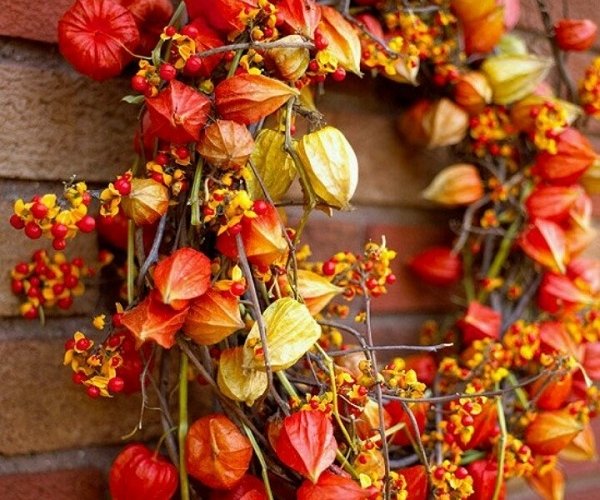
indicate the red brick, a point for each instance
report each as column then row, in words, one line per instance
column 19, row 18
column 408, row 294
column 84, row 484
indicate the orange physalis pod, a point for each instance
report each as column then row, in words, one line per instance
column 306, row 443
column 416, row 481
column 300, row 16
column 552, row 202
column 484, row 474
column 483, row 33
column 216, row 452
column 226, row 144
column 458, row 184
column 182, row 276
column 291, row 62
column 575, row 34
column 551, row 431
column 544, row 242
column 437, row 266
column 147, row 202
column 343, row 39
column 473, row 92
column 480, row 322
column 247, row 98
column 331, row 486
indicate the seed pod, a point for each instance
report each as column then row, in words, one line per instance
column 226, row 144
column 147, row 202
column 575, row 34
column 458, row 184
column 291, row 63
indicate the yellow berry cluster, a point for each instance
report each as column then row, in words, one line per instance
column 403, row 382
column 589, row 89
column 522, row 341
column 451, row 481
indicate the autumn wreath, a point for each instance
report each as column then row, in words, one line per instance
column 214, row 277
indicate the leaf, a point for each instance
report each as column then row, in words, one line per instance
column 212, row 317
column 216, row 452
column 178, row 113
column 133, row 99
column 290, row 330
column 306, row 443
column 330, row 486
column 247, row 98
column 331, row 165
column 238, row 383
column 97, row 37
column 153, row 320
column 274, row 166
column 182, row 276
column 344, row 42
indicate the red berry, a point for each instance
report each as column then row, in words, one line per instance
column 87, row 224
column 79, row 378
column 16, row 221
column 391, row 279
column 236, row 229
column 157, row 177
column 438, row 473
column 33, row 292
column 65, row 268
column 39, row 210
column 328, row 268
column 113, row 341
column 162, row 159
column 116, row 384
column 192, row 66
column 16, row 286
column 93, row 392
column 190, row 31
column 78, row 262
column 182, row 153
column 31, row 313
column 339, row 75
column 34, row 281
column 237, row 289
column 65, row 303
column 467, row 420
column 117, row 319
column 123, row 186
column 313, row 66
column 139, row 84
column 321, row 43
column 86, row 198
column 59, row 244
column 32, row 230
column 167, row 72
column 170, row 30
column 461, row 473
column 71, row 281
column 69, row 344
column 260, row 207
column 371, row 283
column 83, row 344
column 59, row 231
column 22, row 268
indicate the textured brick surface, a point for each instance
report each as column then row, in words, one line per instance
column 86, row 484
column 56, row 123
column 18, row 19
column 408, row 294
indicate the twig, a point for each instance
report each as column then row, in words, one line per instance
column 153, row 255
column 501, row 449
column 184, row 487
column 419, row 448
column 257, row 46
column 425, row 348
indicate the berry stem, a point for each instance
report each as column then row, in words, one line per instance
column 183, row 425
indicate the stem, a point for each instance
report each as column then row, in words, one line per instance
column 130, row 260
column 240, row 47
column 261, row 459
column 183, row 425
column 501, row 449
column 234, row 63
column 195, row 192
column 153, row 255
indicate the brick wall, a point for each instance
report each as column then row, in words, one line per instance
column 56, row 123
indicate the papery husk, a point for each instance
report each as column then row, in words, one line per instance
column 213, row 317
column 473, row 92
column 290, row 330
column 316, row 291
column 575, row 34
column 550, row 486
column 483, row 33
column 514, row 77
column 582, row 448
column 238, row 383
column 591, row 178
column 344, row 42
column 291, row 63
column 331, row 165
column 552, row 431
column 273, row 164
column 147, row 202
column 226, row 144
column 469, row 10
column 459, row 184
column 521, row 112
column 444, row 124
column 511, row 45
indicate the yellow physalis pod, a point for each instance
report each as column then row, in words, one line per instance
column 513, row 77
column 291, row 63
column 147, row 201
column 315, row 290
column 344, row 42
column 237, row 383
column 273, row 165
column 458, row 184
column 331, row 165
column 291, row 331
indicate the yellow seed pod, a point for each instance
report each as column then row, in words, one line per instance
column 331, row 165
column 147, row 202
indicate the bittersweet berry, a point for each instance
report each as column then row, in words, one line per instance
column 33, row 231
column 339, row 75
column 260, row 207
column 139, row 84
column 39, row 210
column 87, row 224
column 328, row 268
column 59, row 231
column 167, row 72
column 93, row 392
column 192, row 66
column 16, row 222
column 190, row 31
column 123, row 186
column 116, row 384
column 59, row 244
column 237, row 289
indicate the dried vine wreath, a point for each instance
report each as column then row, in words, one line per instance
column 212, row 275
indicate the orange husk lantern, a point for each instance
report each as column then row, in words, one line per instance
column 469, row 10
column 545, row 243
column 549, row 485
column 416, row 481
column 222, row 15
column 216, row 452
column 459, row 184
column 153, row 320
column 343, row 39
column 212, row 317
column 291, row 63
column 483, row 34
column 300, row 16
column 406, row 435
column 367, row 423
column 147, row 202
column 424, row 365
column 226, row 144
column 484, row 425
column 183, row 275
column 331, row 486
column 554, row 338
column 306, row 443
column 573, row 157
column 247, row 98
column 554, row 391
column 558, row 293
column 484, row 474
column 551, row 431
column 437, row 266
column 178, row 113
column 473, row 92
column 97, row 37
column 206, row 39
column 553, row 203
column 587, row 270
column 249, row 488
column 263, row 238
column 575, row 34
column 480, row 322
column 582, row 448
column 591, row 360
column 150, row 17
